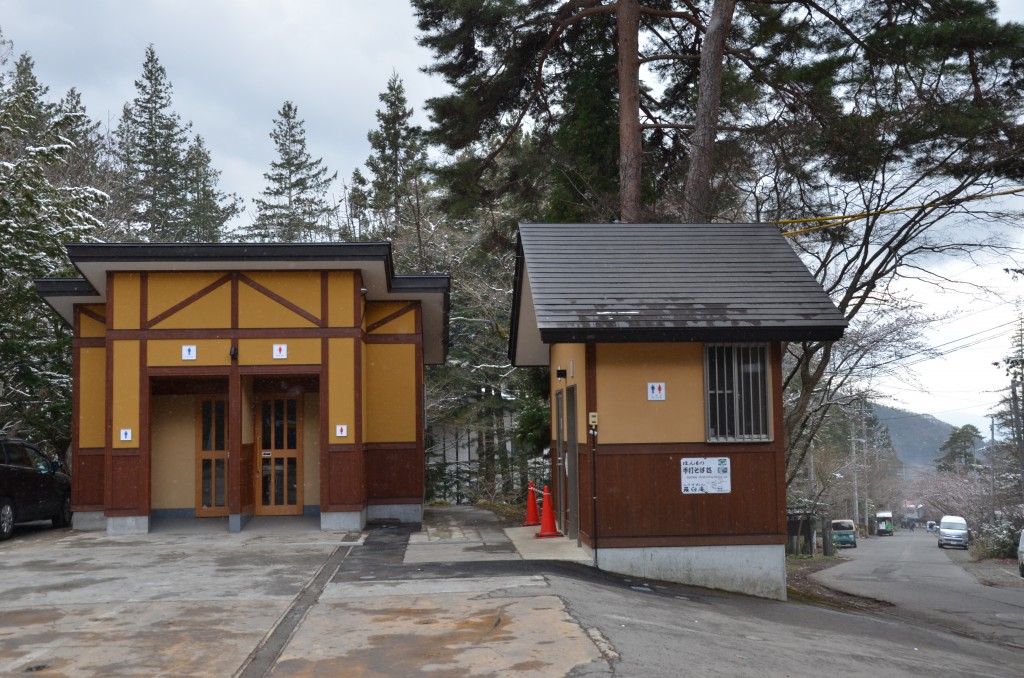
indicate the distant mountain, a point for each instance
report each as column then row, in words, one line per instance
column 915, row 437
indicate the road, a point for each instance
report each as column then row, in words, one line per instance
column 933, row 585
column 457, row 598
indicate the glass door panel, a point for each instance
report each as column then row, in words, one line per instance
column 211, row 457
column 279, row 480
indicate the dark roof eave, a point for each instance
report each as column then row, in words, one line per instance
column 696, row 334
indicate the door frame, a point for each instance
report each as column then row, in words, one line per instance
column 258, row 456
column 572, row 459
column 222, row 454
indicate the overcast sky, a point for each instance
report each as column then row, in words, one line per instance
column 232, row 63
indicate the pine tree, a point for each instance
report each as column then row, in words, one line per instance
column 37, row 217
column 207, row 208
column 958, row 450
column 151, row 142
column 398, row 165
column 295, row 205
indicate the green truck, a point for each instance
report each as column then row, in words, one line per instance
column 883, row 520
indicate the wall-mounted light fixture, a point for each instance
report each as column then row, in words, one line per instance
column 560, row 374
column 233, row 353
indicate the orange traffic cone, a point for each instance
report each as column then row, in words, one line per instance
column 547, row 521
column 531, row 508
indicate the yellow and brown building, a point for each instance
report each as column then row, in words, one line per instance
column 238, row 380
column 665, row 345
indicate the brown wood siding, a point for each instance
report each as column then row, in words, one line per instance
column 344, row 473
column 125, row 488
column 639, row 493
column 394, row 474
column 87, row 480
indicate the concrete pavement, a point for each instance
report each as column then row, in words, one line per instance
column 456, row 598
column 279, row 598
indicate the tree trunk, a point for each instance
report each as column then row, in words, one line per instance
column 628, row 25
column 697, row 190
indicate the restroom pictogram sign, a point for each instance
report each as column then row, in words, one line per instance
column 656, row 390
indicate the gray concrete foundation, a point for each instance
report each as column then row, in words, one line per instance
column 237, row 521
column 88, row 521
column 342, row 521
column 754, row 570
column 403, row 513
column 127, row 525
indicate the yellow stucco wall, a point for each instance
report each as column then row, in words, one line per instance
column 340, row 381
column 341, row 295
column 211, row 311
column 168, row 352
column 167, row 288
column 257, row 310
column 305, row 351
column 173, row 452
column 625, row 413
column 389, row 407
column 301, row 288
column 573, row 359
column 125, row 405
column 92, row 397
column 127, row 300
column 403, row 324
column 90, row 328
column 311, row 449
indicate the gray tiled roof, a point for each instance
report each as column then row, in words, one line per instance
column 580, row 283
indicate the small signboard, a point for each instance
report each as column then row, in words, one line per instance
column 188, row 352
column 280, row 351
column 655, row 390
column 706, row 475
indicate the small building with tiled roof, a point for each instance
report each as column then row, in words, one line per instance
column 664, row 343
column 239, row 380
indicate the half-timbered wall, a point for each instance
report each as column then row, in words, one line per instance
column 640, row 442
column 358, row 364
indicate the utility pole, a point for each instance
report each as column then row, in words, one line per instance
column 1018, row 438
column 856, row 493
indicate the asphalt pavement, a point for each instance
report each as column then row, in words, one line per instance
column 936, row 585
column 459, row 595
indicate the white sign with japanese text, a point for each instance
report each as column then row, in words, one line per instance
column 706, row 475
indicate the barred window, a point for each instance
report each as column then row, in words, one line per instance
column 736, row 377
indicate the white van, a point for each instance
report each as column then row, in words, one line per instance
column 953, row 532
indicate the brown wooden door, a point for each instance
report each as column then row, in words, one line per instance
column 279, row 457
column 211, row 457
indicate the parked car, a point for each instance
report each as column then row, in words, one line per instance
column 932, row 526
column 32, row 487
column 953, row 532
column 844, row 533
column 1020, row 554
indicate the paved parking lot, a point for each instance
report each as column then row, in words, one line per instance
column 459, row 597
column 281, row 598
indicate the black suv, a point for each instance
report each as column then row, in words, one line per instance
column 32, row 487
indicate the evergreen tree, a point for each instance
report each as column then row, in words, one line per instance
column 295, row 205
column 958, row 450
column 37, row 217
column 397, row 191
column 151, row 143
column 207, row 208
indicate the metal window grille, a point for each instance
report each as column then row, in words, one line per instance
column 736, row 376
